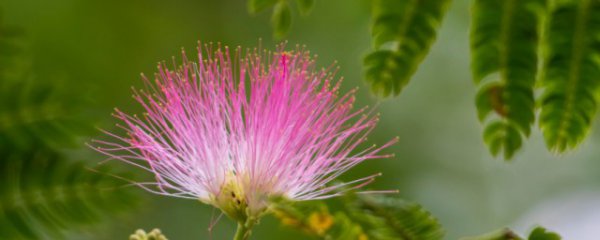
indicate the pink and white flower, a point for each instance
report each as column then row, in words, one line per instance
column 234, row 131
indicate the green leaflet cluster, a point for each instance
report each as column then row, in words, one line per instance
column 403, row 32
column 281, row 18
column 44, row 194
column 507, row 40
column 14, row 57
column 315, row 219
column 32, row 112
column 43, row 191
column 377, row 218
column 388, row 218
column 571, row 73
column 361, row 218
column 538, row 233
column 504, row 43
column 517, row 47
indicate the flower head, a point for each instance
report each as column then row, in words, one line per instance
column 235, row 131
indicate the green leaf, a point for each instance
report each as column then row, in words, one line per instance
column 504, row 39
column 540, row 233
column 403, row 32
column 256, row 6
column 346, row 229
column 393, row 218
column 501, row 136
column 314, row 219
column 44, row 194
column 381, row 218
column 504, row 43
column 305, row 6
column 42, row 191
column 384, row 73
column 15, row 59
column 281, row 19
column 489, row 99
column 571, row 73
column 503, row 234
column 32, row 110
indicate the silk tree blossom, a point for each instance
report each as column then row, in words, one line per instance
column 236, row 131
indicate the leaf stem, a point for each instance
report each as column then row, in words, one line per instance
column 243, row 232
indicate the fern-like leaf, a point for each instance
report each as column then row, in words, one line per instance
column 32, row 111
column 571, row 73
column 256, row 6
column 502, row 137
column 305, row 6
column 504, row 43
column 381, row 218
column 14, row 57
column 402, row 32
column 281, row 17
column 393, row 218
column 43, row 193
column 314, row 219
column 503, row 234
column 539, row 233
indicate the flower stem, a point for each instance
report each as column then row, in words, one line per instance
column 242, row 233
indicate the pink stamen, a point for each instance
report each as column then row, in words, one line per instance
column 271, row 121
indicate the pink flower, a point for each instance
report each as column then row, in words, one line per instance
column 234, row 131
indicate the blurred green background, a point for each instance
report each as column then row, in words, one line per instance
column 98, row 48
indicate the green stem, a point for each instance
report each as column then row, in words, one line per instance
column 242, row 233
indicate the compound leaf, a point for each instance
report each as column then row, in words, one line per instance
column 504, row 43
column 256, row 6
column 281, row 19
column 571, row 73
column 403, row 32
column 388, row 218
column 540, row 233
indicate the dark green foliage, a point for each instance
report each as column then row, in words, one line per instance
column 503, row 234
column 403, row 32
column 14, row 57
column 305, row 6
column 502, row 136
column 539, row 233
column 42, row 191
column 377, row 218
column 256, row 6
column 33, row 111
column 314, row 219
column 504, row 43
column 345, row 228
column 571, row 73
column 281, row 19
column 43, row 194
column 393, row 218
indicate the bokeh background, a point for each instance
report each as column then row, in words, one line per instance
column 98, row 48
